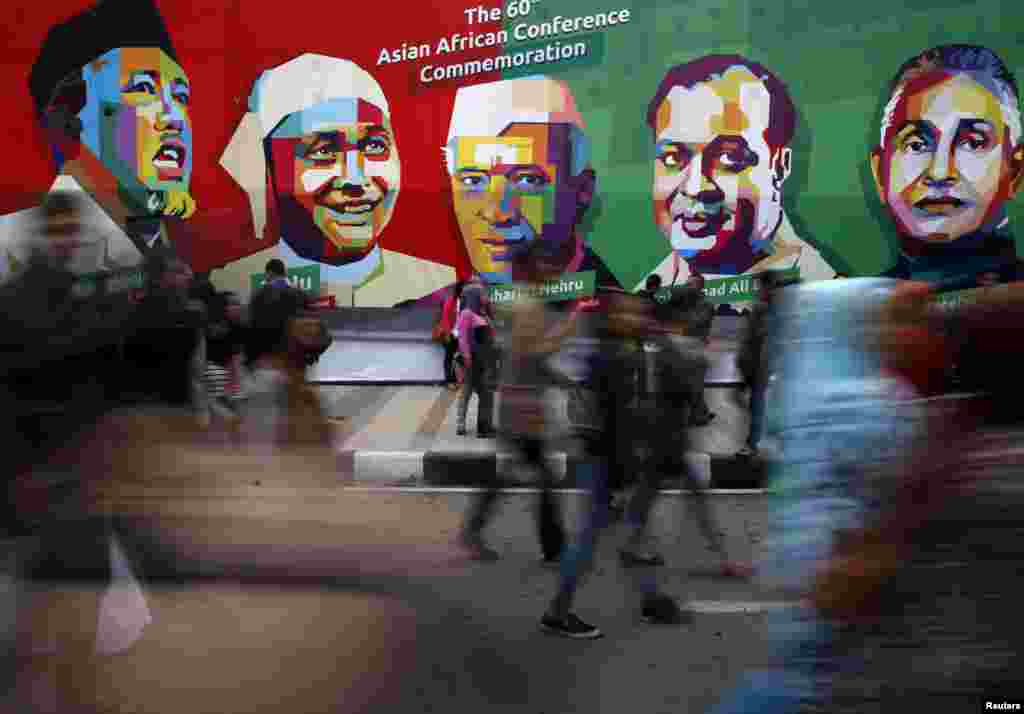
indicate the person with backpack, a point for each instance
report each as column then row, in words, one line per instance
column 271, row 309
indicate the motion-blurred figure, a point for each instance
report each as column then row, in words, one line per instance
column 680, row 367
column 78, row 595
column 626, row 319
column 536, row 333
column 893, row 511
column 751, row 360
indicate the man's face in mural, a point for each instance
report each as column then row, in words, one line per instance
column 336, row 177
column 717, row 182
column 948, row 165
column 136, row 119
column 517, row 187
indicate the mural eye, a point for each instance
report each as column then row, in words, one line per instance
column 671, row 159
column 142, row 86
column 473, row 180
column 321, row 153
column 375, row 147
column 974, row 142
column 182, row 98
column 530, row 182
column 916, row 145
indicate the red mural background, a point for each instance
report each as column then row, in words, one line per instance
column 223, row 45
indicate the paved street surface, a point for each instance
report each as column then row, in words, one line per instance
column 305, row 597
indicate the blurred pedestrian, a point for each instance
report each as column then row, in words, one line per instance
column 751, row 360
column 166, row 350
column 225, row 352
column 625, row 319
column 536, row 333
column 876, row 521
column 680, row 368
column 271, row 307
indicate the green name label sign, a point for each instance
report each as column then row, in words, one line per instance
column 306, row 278
column 568, row 287
column 132, row 279
column 742, row 288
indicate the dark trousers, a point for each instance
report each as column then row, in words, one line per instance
column 451, row 348
column 757, row 388
column 666, row 460
column 477, row 381
column 549, row 516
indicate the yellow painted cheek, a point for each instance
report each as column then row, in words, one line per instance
column 532, row 208
column 664, row 116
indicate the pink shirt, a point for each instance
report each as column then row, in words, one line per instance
column 465, row 324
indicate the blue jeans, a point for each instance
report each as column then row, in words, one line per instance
column 579, row 554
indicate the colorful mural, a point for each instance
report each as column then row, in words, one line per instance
column 712, row 138
column 519, row 161
column 722, row 128
column 949, row 158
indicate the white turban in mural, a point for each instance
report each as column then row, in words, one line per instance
column 519, row 162
column 317, row 156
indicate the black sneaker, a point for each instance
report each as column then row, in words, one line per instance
column 569, row 626
column 663, row 610
column 648, row 558
column 486, row 434
column 553, row 562
column 460, row 432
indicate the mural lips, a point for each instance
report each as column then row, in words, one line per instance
column 169, row 160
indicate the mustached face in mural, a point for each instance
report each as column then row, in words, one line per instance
column 949, row 156
column 115, row 103
column 519, row 166
column 721, row 127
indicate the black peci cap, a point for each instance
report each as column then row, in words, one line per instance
column 110, row 24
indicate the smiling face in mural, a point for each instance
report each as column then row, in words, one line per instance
column 717, row 182
column 514, row 188
column 335, row 173
column 136, row 119
column 948, row 163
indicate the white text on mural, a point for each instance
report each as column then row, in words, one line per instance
column 520, row 32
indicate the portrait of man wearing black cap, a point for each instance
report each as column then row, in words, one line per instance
column 114, row 103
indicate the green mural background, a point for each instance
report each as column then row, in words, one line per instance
column 836, row 58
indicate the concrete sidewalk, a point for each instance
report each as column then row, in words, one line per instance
column 405, row 435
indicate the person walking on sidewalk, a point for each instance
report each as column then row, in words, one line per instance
column 680, row 367
column 624, row 320
column 476, row 345
column 751, row 359
column 535, row 336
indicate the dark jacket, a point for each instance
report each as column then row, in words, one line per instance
column 270, row 309
column 160, row 349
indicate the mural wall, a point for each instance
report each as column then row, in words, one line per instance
column 386, row 157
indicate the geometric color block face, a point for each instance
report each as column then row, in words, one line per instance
column 944, row 170
column 513, row 188
column 336, row 178
column 136, row 118
column 717, row 182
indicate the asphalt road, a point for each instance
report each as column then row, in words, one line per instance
column 323, row 599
